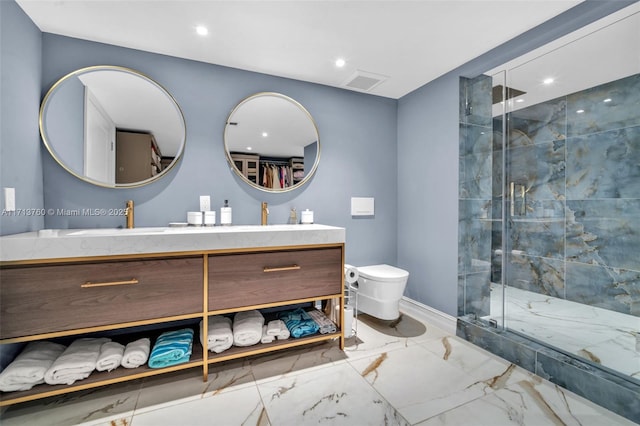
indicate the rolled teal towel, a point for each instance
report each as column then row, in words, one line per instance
column 299, row 323
column 171, row 348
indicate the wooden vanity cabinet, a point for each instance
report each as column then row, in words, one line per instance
column 55, row 298
column 246, row 279
column 69, row 298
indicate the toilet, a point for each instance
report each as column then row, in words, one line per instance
column 380, row 288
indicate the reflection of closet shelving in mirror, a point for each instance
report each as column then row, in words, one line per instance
column 297, row 169
column 281, row 132
column 247, row 164
column 138, row 157
column 280, row 173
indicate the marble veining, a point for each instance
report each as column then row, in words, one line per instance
column 429, row 378
column 70, row 243
column 575, row 234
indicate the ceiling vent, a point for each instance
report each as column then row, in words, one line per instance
column 363, row 80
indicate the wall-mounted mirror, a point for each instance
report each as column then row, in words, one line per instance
column 112, row 126
column 272, row 142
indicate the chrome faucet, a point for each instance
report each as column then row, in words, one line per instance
column 128, row 212
column 265, row 214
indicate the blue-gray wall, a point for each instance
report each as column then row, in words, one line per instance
column 20, row 70
column 428, row 139
column 357, row 137
column 404, row 153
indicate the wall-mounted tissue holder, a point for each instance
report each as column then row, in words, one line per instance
column 362, row 206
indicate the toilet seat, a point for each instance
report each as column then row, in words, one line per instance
column 383, row 273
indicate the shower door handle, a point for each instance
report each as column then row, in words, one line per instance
column 520, row 189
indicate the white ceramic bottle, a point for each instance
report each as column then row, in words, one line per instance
column 225, row 214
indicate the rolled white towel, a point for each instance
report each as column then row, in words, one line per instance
column 274, row 327
column 29, row 367
column 247, row 328
column 136, row 353
column 278, row 329
column 266, row 338
column 219, row 334
column 110, row 356
column 77, row 362
column 284, row 333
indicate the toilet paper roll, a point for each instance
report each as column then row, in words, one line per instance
column 348, row 321
column 350, row 274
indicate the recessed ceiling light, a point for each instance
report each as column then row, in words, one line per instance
column 519, row 100
column 548, row 80
column 580, row 111
column 249, row 148
column 202, row 30
column 607, row 100
column 340, row 62
column 265, row 134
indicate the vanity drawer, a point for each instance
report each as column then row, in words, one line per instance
column 248, row 279
column 53, row 298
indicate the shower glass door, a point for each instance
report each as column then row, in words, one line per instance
column 565, row 240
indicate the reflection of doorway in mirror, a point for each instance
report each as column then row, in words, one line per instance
column 99, row 149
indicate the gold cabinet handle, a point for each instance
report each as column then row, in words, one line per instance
column 89, row 284
column 281, row 268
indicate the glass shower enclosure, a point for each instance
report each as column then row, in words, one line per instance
column 549, row 205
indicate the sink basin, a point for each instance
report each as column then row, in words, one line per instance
column 185, row 230
column 117, row 231
column 81, row 243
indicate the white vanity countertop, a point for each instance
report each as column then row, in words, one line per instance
column 74, row 243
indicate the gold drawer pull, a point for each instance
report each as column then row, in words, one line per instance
column 281, row 268
column 90, row 284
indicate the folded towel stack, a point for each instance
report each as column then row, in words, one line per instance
column 326, row 325
column 219, row 334
column 29, row 367
column 247, row 328
column 171, row 348
column 77, row 361
column 136, row 353
column 110, row 356
column 266, row 338
column 277, row 328
column 299, row 322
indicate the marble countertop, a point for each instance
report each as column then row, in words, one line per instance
column 73, row 243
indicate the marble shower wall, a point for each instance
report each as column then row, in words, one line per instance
column 576, row 233
column 579, row 237
column 475, row 196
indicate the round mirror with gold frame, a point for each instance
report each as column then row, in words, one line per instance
column 112, row 126
column 272, row 142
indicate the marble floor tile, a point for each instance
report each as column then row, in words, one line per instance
column 421, row 384
column 188, row 385
column 370, row 341
column 238, row 407
column 528, row 402
column 294, row 361
column 401, row 373
column 599, row 335
column 335, row 395
column 89, row 407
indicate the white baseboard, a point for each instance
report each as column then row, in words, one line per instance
column 428, row 314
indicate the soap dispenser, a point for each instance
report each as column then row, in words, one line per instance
column 225, row 214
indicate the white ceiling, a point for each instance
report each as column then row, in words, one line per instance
column 598, row 53
column 409, row 42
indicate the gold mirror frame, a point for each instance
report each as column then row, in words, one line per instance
column 266, row 113
column 170, row 110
